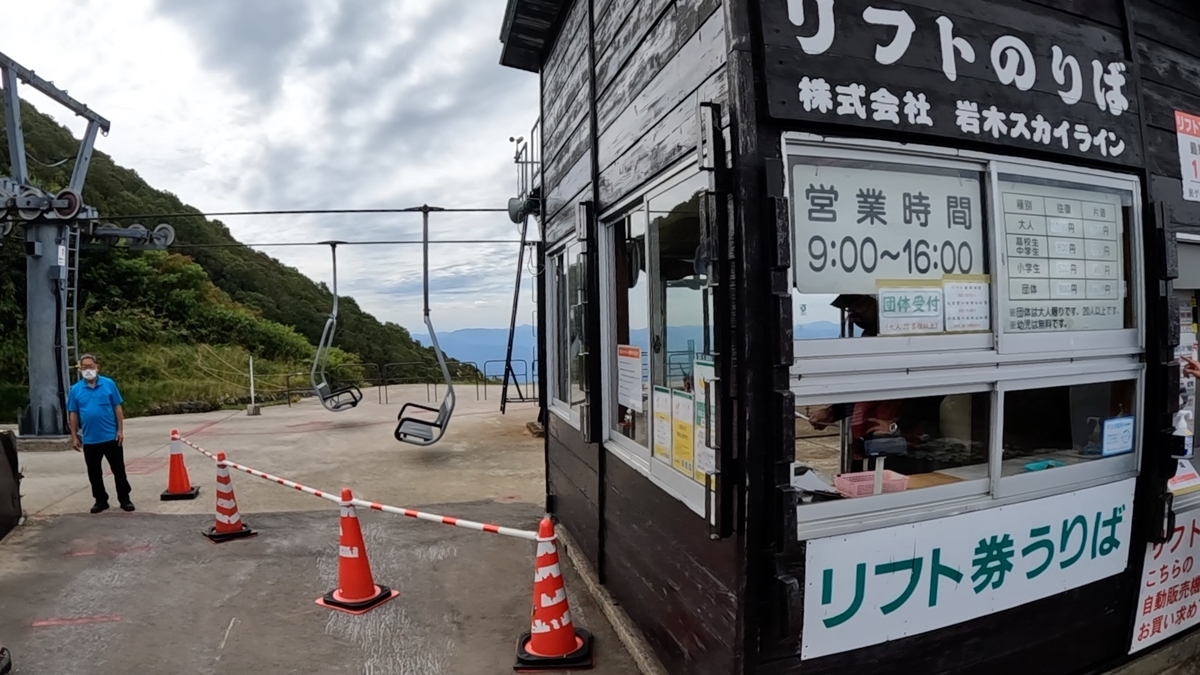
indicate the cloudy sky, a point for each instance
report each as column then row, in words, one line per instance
column 294, row 104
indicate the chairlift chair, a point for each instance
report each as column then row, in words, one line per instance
column 344, row 398
column 419, row 430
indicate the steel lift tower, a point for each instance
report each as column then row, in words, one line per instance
column 54, row 226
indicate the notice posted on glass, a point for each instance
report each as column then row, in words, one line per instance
column 1065, row 265
column 855, row 227
column 704, row 374
column 629, row 377
column 662, row 424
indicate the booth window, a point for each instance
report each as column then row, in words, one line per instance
column 881, row 247
column 567, row 276
column 658, row 336
column 631, row 349
column 967, row 327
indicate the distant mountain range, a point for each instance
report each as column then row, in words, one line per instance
column 485, row 346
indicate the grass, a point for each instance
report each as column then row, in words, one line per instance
column 170, row 379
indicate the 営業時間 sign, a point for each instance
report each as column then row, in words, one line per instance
column 1008, row 73
column 856, row 226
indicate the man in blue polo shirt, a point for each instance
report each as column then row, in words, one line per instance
column 98, row 429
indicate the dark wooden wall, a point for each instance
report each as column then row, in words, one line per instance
column 631, row 95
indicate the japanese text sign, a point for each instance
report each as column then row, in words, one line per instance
column 855, row 226
column 910, row 310
column 1187, row 129
column 870, row 587
column 993, row 72
column 1065, row 255
column 1169, row 601
column 629, row 377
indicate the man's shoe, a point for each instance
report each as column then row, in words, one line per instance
column 99, row 507
column 127, row 507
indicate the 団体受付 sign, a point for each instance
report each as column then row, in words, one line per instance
column 1187, row 130
column 870, row 587
column 1014, row 74
column 1169, row 600
column 855, row 226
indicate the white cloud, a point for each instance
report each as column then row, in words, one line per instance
column 293, row 104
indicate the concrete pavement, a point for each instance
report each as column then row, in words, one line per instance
column 145, row 592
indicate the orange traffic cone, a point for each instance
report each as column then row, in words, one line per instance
column 553, row 642
column 229, row 525
column 178, row 485
column 357, row 592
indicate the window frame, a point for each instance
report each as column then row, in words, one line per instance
column 641, row 459
column 556, row 259
column 948, row 364
column 1128, row 339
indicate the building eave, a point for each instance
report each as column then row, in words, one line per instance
column 530, row 28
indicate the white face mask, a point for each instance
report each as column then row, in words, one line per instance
column 89, row 374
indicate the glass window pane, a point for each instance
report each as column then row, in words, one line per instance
column 681, row 318
column 888, row 249
column 576, row 280
column 919, row 442
column 1067, row 247
column 561, row 309
column 631, row 348
column 1075, row 424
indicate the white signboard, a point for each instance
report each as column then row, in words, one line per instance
column 629, row 377
column 704, row 374
column 910, row 309
column 662, row 423
column 870, row 587
column 1169, row 600
column 1118, row 436
column 1065, row 259
column 1187, row 130
column 1187, row 385
column 968, row 303
column 853, row 227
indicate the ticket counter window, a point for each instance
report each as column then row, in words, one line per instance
column 1062, row 426
column 911, row 237
column 918, row 442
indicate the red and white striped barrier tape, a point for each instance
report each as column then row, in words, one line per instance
column 411, row 513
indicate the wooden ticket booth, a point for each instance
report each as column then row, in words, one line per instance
column 860, row 325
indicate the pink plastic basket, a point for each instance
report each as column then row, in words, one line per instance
column 862, row 484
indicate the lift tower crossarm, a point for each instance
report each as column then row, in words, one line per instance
column 11, row 72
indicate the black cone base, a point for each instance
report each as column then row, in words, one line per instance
column 382, row 595
column 175, row 496
column 222, row 537
column 580, row 659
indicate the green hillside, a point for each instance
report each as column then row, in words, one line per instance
column 178, row 329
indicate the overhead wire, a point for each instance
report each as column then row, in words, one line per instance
column 304, row 212
column 390, row 242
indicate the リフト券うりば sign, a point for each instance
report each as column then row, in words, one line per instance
column 870, row 587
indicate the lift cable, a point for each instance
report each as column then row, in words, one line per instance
column 304, row 212
column 391, row 242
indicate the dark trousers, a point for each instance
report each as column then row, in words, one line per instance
column 115, row 454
